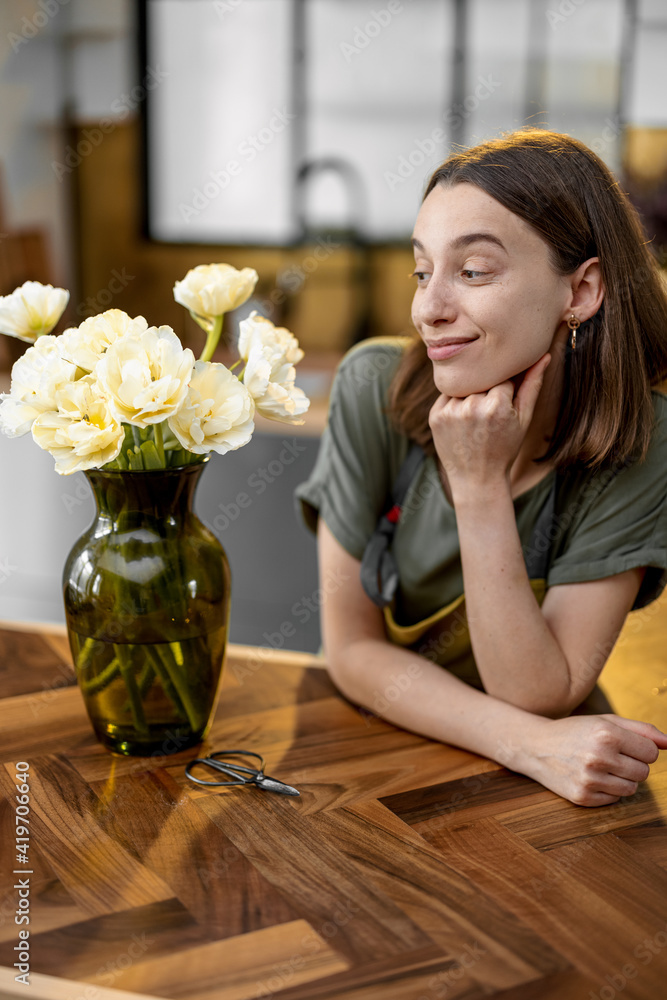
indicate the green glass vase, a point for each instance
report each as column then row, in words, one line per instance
column 147, row 597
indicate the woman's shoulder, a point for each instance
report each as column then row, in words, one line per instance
column 362, row 380
column 659, row 397
column 657, row 451
column 627, row 490
column 374, row 360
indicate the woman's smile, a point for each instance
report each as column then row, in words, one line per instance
column 441, row 350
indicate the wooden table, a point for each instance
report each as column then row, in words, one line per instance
column 407, row 870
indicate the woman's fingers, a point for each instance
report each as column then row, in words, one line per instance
column 635, row 740
column 611, row 784
column 597, row 799
column 643, row 729
column 595, row 760
column 631, row 769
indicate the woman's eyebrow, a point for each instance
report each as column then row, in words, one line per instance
column 466, row 240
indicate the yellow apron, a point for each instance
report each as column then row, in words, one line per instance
column 444, row 637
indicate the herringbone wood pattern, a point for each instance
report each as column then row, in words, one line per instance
column 407, row 870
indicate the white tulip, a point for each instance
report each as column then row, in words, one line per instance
column 32, row 310
column 217, row 414
column 145, row 375
column 258, row 329
column 36, row 378
column 83, row 433
column 87, row 343
column 270, row 381
column 210, row 290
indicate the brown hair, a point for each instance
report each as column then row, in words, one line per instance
column 570, row 198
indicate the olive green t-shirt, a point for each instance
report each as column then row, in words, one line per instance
column 606, row 522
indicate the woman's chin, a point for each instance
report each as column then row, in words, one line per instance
column 455, row 380
column 458, row 384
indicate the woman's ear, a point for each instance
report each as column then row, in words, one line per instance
column 587, row 290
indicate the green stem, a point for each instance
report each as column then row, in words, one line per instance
column 127, row 673
column 146, row 679
column 165, row 680
column 212, row 339
column 236, row 364
column 159, row 442
column 97, row 684
column 85, row 653
column 181, row 686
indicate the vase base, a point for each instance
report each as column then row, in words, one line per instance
column 159, row 744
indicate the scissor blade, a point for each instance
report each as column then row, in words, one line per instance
column 272, row 785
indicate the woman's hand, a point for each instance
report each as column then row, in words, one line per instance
column 477, row 438
column 592, row 760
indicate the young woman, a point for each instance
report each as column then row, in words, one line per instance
column 493, row 496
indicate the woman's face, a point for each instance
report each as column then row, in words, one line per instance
column 488, row 302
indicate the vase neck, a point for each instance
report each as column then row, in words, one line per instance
column 164, row 493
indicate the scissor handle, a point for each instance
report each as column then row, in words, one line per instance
column 255, row 775
column 242, row 753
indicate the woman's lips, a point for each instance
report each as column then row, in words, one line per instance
column 439, row 352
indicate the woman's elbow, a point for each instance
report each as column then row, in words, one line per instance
column 548, row 705
column 347, row 666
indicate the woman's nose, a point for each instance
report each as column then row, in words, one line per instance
column 435, row 303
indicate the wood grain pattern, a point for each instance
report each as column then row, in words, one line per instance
column 407, row 870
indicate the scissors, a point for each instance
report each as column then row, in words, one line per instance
column 241, row 775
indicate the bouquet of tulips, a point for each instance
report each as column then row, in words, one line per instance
column 117, row 394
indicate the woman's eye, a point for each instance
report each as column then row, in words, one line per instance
column 473, row 274
column 421, row 276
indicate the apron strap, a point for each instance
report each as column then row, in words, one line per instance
column 379, row 575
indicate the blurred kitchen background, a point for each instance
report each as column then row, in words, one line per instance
column 139, row 139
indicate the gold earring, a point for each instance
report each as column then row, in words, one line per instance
column 574, row 324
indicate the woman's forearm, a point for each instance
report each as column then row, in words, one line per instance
column 517, row 655
column 591, row 761
column 416, row 694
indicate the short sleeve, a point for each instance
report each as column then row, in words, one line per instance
column 617, row 520
column 352, row 475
